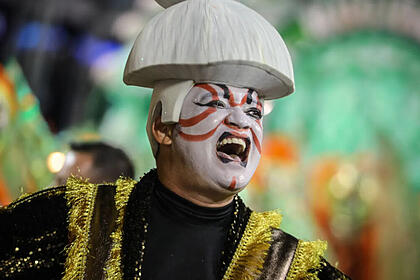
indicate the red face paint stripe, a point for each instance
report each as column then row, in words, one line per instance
column 256, row 141
column 195, row 120
column 232, row 102
column 200, row 137
column 209, row 89
column 232, row 185
column 243, row 100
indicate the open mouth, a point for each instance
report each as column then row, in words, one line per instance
column 232, row 147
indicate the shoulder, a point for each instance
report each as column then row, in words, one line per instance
column 31, row 209
column 299, row 259
column 49, row 203
column 289, row 257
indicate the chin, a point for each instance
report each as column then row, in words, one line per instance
column 231, row 177
column 232, row 180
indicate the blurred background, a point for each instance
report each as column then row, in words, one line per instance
column 341, row 157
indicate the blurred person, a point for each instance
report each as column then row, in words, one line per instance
column 211, row 64
column 96, row 161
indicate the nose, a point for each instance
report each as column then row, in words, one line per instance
column 237, row 118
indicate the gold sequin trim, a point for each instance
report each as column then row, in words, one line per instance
column 17, row 265
column 80, row 195
column 113, row 266
column 249, row 257
column 306, row 262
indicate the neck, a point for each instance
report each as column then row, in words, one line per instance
column 199, row 196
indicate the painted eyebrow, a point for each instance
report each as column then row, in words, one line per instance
column 255, row 100
column 249, row 100
column 227, row 95
column 226, row 91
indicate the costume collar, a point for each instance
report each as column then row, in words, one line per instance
column 246, row 246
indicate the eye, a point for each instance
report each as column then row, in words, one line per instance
column 214, row 103
column 255, row 113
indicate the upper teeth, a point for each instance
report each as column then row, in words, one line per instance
column 238, row 141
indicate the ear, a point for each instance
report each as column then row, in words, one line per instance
column 162, row 132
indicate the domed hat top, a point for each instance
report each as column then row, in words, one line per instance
column 219, row 41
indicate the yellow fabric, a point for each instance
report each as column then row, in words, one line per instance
column 306, row 261
column 80, row 195
column 249, row 257
column 113, row 266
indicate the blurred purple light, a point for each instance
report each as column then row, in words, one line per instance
column 90, row 48
column 29, row 36
column 36, row 35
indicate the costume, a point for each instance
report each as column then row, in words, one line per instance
column 102, row 240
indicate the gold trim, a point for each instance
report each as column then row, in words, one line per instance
column 249, row 257
column 80, row 195
column 113, row 266
column 306, row 262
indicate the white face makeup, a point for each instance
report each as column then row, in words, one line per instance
column 219, row 135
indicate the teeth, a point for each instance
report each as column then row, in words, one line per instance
column 238, row 141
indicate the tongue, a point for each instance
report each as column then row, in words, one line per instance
column 232, row 157
column 235, row 157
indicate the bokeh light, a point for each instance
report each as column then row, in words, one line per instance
column 55, row 161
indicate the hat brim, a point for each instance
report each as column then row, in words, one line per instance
column 268, row 82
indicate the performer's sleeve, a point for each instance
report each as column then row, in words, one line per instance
column 33, row 236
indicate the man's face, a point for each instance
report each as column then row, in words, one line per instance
column 219, row 135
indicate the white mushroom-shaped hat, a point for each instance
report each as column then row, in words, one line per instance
column 194, row 41
column 219, row 41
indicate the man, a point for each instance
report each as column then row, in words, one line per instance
column 96, row 161
column 211, row 64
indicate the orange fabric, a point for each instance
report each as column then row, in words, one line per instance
column 5, row 197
